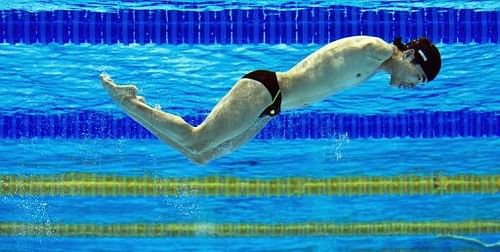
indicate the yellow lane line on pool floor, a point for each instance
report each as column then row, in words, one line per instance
column 249, row 229
column 84, row 184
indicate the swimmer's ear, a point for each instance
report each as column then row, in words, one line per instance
column 409, row 55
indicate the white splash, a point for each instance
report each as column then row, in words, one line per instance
column 336, row 148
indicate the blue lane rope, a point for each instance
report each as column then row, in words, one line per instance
column 412, row 124
column 241, row 26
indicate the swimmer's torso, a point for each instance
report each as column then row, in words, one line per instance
column 336, row 66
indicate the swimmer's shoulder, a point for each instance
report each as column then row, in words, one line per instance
column 377, row 48
column 373, row 46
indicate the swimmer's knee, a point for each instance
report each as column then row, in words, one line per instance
column 199, row 147
column 198, row 156
column 198, row 141
column 199, row 159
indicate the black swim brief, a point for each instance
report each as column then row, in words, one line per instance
column 269, row 80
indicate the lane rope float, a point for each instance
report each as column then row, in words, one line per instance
column 250, row 230
column 91, row 185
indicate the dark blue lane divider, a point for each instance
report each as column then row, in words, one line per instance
column 241, row 26
column 413, row 124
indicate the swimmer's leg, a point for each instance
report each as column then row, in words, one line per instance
column 234, row 143
column 120, row 93
column 165, row 138
column 236, row 112
column 126, row 97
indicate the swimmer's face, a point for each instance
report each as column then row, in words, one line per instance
column 406, row 73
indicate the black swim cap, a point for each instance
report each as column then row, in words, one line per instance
column 426, row 55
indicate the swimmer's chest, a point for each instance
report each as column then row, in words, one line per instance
column 335, row 72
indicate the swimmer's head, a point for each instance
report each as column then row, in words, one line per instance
column 416, row 62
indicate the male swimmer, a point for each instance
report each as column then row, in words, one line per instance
column 260, row 95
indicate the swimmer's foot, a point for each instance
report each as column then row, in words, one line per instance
column 141, row 99
column 118, row 91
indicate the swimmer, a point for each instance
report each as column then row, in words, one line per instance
column 261, row 95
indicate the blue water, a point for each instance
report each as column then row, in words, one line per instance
column 107, row 5
column 189, row 80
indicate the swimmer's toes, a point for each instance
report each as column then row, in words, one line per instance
column 108, row 84
column 106, row 81
column 118, row 91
